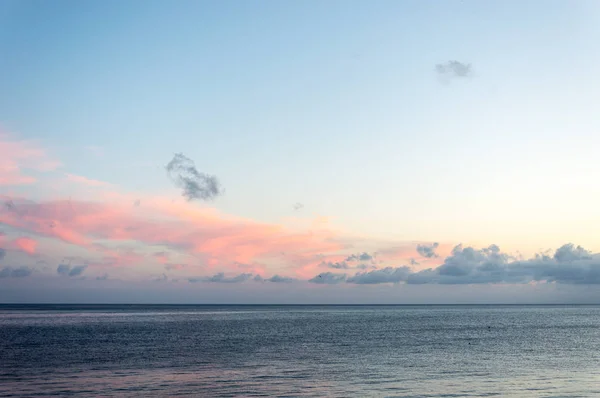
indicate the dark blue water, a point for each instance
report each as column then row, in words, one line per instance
column 403, row 351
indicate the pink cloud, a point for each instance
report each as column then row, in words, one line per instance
column 85, row 181
column 26, row 245
column 220, row 241
column 194, row 235
column 16, row 156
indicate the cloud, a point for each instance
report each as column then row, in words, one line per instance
column 2, row 253
column 17, row 156
column 85, row 181
column 365, row 266
column 569, row 253
column 221, row 278
column 67, row 270
column 275, row 279
column 10, row 272
column 195, row 185
column 336, row 265
column 453, row 69
column 174, row 267
column 385, row 275
column 298, row 206
column 208, row 235
column 26, row 245
column 568, row 265
column 428, row 251
column 413, row 262
column 328, row 278
column 102, row 277
column 360, row 257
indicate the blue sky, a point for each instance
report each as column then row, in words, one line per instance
column 335, row 105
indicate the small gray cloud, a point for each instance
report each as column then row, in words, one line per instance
column 174, row 266
column 10, row 272
column 454, row 69
column 221, row 278
column 365, row 266
column 328, row 278
column 275, row 279
column 102, row 277
column 336, row 265
column 428, row 251
column 384, row 275
column 196, row 185
column 161, row 278
column 360, row 257
column 10, row 205
column 2, row 253
column 67, row 270
column 137, row 203
column 298, row 206
column 413, row 262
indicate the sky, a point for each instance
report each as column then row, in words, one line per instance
column 299, row 152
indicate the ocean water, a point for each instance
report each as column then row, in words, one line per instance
column 289, row 351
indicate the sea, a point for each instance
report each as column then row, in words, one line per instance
column 299, row 351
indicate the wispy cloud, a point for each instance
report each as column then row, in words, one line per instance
column 26, row 245
column 85, row 181
column 19, row 155
column 454, row 69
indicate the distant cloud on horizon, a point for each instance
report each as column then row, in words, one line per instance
column 67, row 270
column 10, row 272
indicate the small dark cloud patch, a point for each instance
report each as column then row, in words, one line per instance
column 70, row 271
column 10, row 272
column 10, row 205
column 137, row 203
column 385, row 275
column 365, row 266
column 413, row 262
column 2, row 253
column 102, row 277
column 428, row 251
column 195, row 185
column 275, row 279
column 454, row 69
column 221, row 278
column 360, row 257
column 328, row 278
column 298, row 206
column 336, row 265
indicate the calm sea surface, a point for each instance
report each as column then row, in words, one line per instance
column 402, row 351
